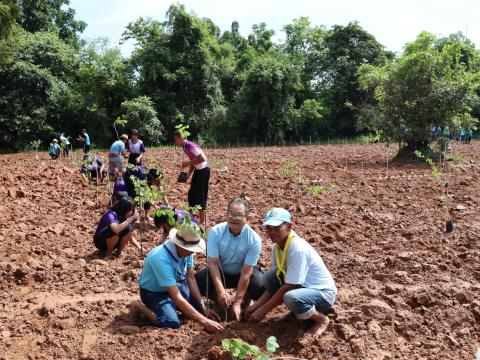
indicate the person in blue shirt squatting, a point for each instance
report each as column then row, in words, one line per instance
column 115, row 157
column 85, row 139
column 233, row 249
column 54, row 149
column 299, row 277
column 167, row 282
column 114, row 230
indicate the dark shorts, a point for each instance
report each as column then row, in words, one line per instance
column 100, row 240
column 86, row 149
column 132, row 158
column 198, row 193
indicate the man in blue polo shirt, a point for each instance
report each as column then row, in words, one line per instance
column 233, row 249
column 299, row 278
column 115, row 157
column 168, row 284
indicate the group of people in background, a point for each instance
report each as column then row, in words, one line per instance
column 465, row 135
column 169, row 284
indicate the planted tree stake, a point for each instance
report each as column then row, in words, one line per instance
column 392, row 337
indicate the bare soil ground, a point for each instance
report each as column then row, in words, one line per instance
column 380, row 233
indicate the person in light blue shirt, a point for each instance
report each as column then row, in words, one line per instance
column 168, row 284
column 233, row 251
column 54, row 149
column 298, row 278
column 115, row 157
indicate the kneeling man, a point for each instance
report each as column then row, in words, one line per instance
column 232, row 255
column 299, row 278
column 168, row 284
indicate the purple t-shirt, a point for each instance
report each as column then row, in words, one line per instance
column 137, row 148
column 95, row 165
column 108, row 218
column 192, row 150
column 119, row 186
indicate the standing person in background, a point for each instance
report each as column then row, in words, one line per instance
column 136, row 149
column 85, row 139
column 468, row 135
column 198, row 193
column 115, row 157
column 66, row 144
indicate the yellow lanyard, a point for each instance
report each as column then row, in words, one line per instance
column 281, row 273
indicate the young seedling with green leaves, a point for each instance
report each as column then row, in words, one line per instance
column 34, row 145
column 292, row 171
column 144, row 194
column 240, row 349
column 439, row 177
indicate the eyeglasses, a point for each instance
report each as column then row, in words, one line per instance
column 235, row 215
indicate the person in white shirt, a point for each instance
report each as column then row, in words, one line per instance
column 299, row 277
column 136, row 149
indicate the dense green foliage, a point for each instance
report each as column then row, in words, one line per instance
column 434, row 82
column 316, row 83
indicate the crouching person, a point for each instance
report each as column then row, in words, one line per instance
column 168, row 284
column 299, row 278
column 114, row 230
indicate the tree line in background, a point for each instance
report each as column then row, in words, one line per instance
column 316, row 83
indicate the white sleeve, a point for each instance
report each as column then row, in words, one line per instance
column 297, row 268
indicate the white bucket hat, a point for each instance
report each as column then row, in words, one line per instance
column 188, row 238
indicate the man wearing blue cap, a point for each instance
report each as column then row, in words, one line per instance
column 299, row 277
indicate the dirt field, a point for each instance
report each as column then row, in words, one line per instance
column 381, row 234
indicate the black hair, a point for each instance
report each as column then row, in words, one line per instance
column 153, row 174
column 241, row 201
column 161, row 220
column 177, row 133
column 123, row 206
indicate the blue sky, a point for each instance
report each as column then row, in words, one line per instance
column 393, row 23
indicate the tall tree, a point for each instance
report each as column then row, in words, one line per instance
column 428, row 84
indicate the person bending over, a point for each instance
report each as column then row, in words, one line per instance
column 197, row 163
column 94, row 167
column 114, row 230
column 299, row 277
column 115, row 157
column 168, row 284
column 232, row 255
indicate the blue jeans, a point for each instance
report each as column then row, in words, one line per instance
column 301, row 301
column 163, row 306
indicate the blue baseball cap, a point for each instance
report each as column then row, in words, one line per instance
column 276, row 217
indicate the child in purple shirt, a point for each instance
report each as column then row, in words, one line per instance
column 114, row 230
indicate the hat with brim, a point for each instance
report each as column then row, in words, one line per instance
column 276, row 217
column 188, row 239
column 124, row 137
column 55, row 140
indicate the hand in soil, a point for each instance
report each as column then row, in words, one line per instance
column 222, row 299
column 236, row 311
column 212, row 326
column 257, row 316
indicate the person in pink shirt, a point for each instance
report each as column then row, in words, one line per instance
column 198, row 165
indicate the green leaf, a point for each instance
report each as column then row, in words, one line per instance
column 272, row 344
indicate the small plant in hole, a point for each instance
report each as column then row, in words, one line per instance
column 459, row 159
column 439, row 177
column 218, row 164
column 240, row 349
column 317, row 190
column 291, row 169
column 34, row 145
